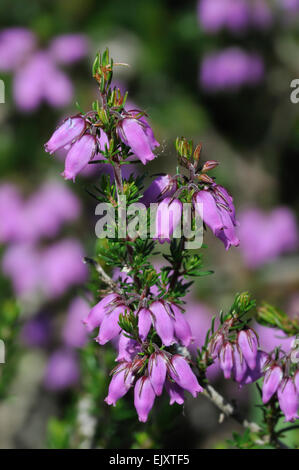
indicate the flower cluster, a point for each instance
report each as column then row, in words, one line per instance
column 238, row 354
column 85, row 141
column 211, row 201
column 141, row 311
column 282, row 380
column 142, row 361
column 159, row 369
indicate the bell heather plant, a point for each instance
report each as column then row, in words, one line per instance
column 140, row 309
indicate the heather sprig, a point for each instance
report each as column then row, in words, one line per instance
column 140, row 306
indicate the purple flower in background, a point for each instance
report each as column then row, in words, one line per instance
column 50, row 271
column 266, row 236
column 144, row 398
column 288, row 398
column 69, row 48
column 168, row 217
column 36, row 75
column 290, row 6
column 271, row 338
column 230, row 69
column 74, row 333
column 42, row 215
column 21, row 263
column 39, row 80
column 234, row 15
column 261, row 14
column 36, row 331
column 217, row 14
column 15, row 46
column 137, row 134
column 52, row 205
column 199, row 318
column 62, row 267
column 218, row 213
column 11, row 206
column 62, row 370
column 59, row 201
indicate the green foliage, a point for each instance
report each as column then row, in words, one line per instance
column 9, row 331
column 273, row 317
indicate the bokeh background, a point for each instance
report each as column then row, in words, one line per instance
column 216, row 71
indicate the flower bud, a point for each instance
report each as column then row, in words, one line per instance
column 203, row 178
column 197, row 152
column 209, row 165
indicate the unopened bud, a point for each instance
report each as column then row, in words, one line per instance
column 209, row 165
column 184, row 147
column 197, row 152
column 205, row 179
column 242, row 301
